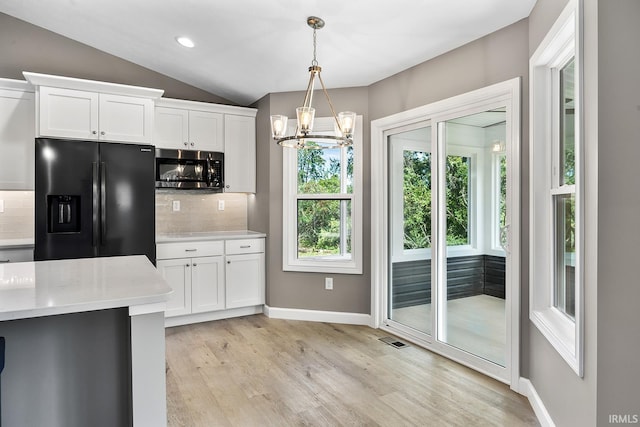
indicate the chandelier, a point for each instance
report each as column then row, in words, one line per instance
column 304, row 136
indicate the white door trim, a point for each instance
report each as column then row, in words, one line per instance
column 508, row 91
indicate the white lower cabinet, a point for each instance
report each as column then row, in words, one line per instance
column 177, row 273
column 207, row 284
column 230, row 276
column 244, row 278
column 197, row 283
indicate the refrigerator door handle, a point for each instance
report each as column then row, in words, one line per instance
column 96, row 202
column 103, row 202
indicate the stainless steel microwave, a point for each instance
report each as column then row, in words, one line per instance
column 190, row 170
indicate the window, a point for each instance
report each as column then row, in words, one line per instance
column 499, row 197
column 563, row 191
column 322, row 198
column 417, row 199
column 458, row 188
column 556, row 190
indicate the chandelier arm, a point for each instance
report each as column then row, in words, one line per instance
column 308, row 96
column 333, row 111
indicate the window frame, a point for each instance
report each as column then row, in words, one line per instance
column 561, row 43
column 290, row 197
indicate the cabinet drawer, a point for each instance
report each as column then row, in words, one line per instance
column 244, row 246
column 189, row 249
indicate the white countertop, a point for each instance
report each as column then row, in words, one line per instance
column 43, row 288
column 208, row 235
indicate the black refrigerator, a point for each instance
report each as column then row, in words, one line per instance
column 93, row 199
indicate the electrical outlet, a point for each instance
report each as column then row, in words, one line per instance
column 328, row 283
column 220, row 205
column 176, row 205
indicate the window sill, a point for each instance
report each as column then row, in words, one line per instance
column 323, row 267
column 561, row 334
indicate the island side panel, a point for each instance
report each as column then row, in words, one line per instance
column 148, row 375
column 67, row 370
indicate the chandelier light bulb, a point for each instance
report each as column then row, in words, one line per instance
column 305, row 118
column 347, row 120
column 278, row 126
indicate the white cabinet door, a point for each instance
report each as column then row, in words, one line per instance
column 206, row 131
column 68, row 113
column 239, row 154
column 177, row 273
column 244, row 280
column 171, row 128
column 17, row 130
column 207, row 284
column 125, row 119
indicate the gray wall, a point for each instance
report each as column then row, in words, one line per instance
column 351, row 293
column 26, row 47
column 495, row 58
column 618, row 291
column 569, row 399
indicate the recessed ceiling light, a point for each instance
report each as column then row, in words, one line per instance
column 185, row 41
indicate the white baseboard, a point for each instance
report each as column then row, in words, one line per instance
column 317, row 316
column 527, row 388
column 211, row 315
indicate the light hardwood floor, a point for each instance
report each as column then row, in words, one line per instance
column 475, row 324
column 255, row 371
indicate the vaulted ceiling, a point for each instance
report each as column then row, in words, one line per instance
column 245, row 49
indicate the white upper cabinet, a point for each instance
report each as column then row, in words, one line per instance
column 205, row 131
column 17, row 111
column 212, row 127
column 178, row 128
column 239, row 154
column 125, row 119
column 67, row 113
column 85, row 109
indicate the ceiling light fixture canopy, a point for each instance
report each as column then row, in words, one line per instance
column 304, row 137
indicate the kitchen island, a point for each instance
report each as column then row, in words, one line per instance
column 84, row 342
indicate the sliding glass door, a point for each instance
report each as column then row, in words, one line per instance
column 448, row 234
column 471, row 286
column 410, row 213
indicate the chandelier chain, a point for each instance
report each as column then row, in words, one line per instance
column 315, row 61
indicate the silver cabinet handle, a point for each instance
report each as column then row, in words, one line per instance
column 245, row 246
column 102, row 133
column 95, row 132
column 195, row 265
column 228, row 262
column 192, row 144
column 4, row 261
column 190, row 250
column 186, row 143
column 187, row 265
column 228, row 186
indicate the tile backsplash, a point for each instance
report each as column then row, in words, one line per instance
column 16, row 222
column 199, row 212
